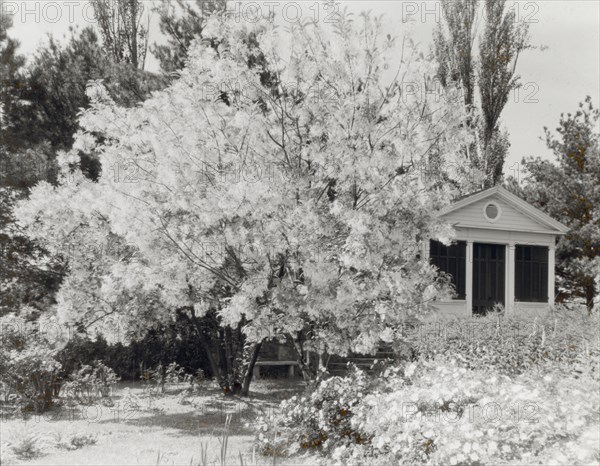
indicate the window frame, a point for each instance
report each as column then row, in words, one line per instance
column 451, row 260
column 498, row 208
column 531, row 273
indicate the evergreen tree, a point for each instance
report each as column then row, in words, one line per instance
column 40, row 117
column 181, row 21
column 569, row 190
column 54, row 88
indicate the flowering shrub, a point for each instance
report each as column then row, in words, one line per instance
column 90, row 383
column 446, row 414
column 439, row 412
column 318, row 420
column 28, row 368
column 326, row 234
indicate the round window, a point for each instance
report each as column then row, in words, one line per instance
column 491, row 212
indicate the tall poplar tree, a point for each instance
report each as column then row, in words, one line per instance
column 124, row 35
column 491, row 75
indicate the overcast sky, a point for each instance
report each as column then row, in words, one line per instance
column 554, row 80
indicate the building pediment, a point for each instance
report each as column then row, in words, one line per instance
column 498, row 209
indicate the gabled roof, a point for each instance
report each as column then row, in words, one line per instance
column 524, row 207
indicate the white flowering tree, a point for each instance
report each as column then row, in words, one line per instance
column 277, row 185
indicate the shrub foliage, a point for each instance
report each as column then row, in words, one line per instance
column 28, row 368
column 484, row 397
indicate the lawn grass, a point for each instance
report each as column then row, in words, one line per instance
column 147, row 428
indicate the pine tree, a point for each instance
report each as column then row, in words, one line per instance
column 181, row 22
column 569, row 190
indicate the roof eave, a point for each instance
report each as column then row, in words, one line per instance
column 554, row 226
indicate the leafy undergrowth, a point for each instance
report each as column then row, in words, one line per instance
column 146, row 427
column 514, row 345
column 442, row 413
column 481, row 398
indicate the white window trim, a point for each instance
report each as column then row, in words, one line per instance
column 495, row 204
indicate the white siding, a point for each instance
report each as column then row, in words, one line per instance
column 510, row 219
column 458, row 308
column 480, row 235
column 454, row 308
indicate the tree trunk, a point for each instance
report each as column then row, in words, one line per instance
column 222, row 348
column 229, row 351
column 250, row 369
column 133, row 33
column 210, row 352
column 163, row 376
column 589, row 297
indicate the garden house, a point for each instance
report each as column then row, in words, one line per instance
column 503, row 254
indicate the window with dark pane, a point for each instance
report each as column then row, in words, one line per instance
column 451, row 260
column 531, row 274
column 491, row 211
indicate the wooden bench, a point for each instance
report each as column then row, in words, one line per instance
column 291, row 365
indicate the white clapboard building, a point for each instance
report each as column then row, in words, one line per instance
column 503, row 255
